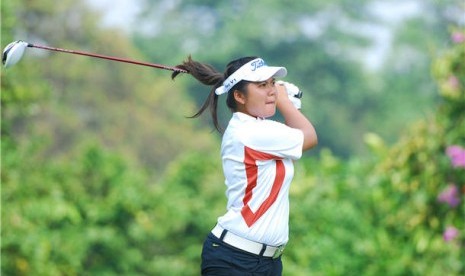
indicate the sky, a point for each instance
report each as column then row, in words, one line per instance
column 121, row 13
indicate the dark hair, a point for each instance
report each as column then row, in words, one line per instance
column 207, row 75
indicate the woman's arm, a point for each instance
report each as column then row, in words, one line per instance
column 295, row 119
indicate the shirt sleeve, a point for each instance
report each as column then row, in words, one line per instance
column 274, row 138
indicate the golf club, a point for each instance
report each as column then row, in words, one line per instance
column 14, row 51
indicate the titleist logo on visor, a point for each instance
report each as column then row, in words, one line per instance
column 257, row 63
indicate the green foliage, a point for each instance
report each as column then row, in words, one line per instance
column 62, row 217
column 385, row 218
column 65, row 99
column 189, row 201
column 70, row 208
column 329, row 232
column 97, row 214
column 101, row 175
column 323, row 44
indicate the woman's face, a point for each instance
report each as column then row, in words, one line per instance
column 260, row 99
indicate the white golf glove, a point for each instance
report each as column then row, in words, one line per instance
column 293, row 92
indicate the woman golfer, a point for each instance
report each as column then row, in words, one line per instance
column 257, row 156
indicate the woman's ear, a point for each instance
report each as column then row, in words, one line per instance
column 239, row 97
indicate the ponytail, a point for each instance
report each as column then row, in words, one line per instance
column 207, row 75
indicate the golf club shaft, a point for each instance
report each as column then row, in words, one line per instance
column 159, row 66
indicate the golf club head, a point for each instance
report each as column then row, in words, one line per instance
column 13, row 52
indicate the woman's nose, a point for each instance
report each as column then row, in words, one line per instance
column 272, row 89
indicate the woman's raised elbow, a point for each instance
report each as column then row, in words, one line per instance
column 310, row 140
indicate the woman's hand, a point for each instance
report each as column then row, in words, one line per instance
column 294, row 118
column 293, row 92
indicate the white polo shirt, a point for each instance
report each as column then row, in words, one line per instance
column 257, row 161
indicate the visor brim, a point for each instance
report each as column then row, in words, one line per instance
column 266, row 72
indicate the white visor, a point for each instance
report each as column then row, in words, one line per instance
column 255, row 70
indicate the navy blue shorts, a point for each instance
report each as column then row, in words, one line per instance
column 219, row 258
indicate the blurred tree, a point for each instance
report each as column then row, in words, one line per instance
column 325, row 46
column 400, row 214
column 79, row 155
column 132, row 110
column 418, row 175
column 82, row 140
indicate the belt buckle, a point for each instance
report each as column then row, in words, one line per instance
column 279, row 251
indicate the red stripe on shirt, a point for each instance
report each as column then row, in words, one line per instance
column 250, row 158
